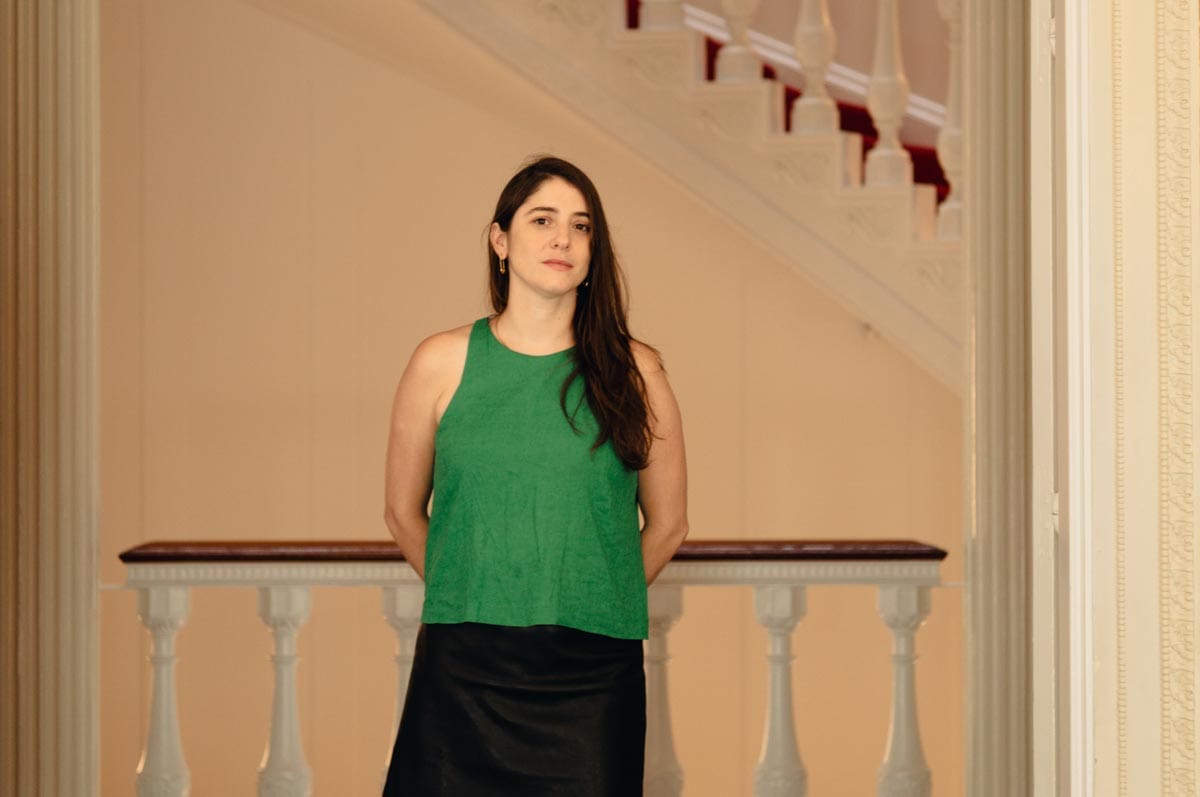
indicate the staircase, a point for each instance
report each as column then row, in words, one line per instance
column 802, row 175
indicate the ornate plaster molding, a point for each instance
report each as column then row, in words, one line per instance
column 1119, row 407
column 1174, row 155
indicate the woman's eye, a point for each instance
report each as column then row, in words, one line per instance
column 542, row 220
column 583, row 227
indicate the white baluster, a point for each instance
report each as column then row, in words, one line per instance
column 887, row 98
column 664, row 776
column 904, row 773
column 736, row 62
column 815, row 111
column 283, row 771
column 163, row 771
column 660, row 15
column 402, row 608
column 780, row 771
column 949, row 142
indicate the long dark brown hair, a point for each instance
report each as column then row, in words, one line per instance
column 604, row 358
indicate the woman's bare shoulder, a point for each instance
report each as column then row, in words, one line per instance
column 648, row 359
column 442, row 352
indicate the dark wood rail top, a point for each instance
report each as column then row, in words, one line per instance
column 385, row 550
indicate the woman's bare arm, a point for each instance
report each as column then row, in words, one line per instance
column 662, row 484
column 432, row 376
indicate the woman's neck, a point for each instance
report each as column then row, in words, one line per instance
column 536, row 327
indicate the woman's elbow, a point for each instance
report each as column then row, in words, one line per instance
column 399, row 523
column 389, row 518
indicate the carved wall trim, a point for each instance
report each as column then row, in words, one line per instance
column 1173, row 161
column 1119, row 329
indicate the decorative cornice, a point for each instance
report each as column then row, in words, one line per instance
column 1174, row 155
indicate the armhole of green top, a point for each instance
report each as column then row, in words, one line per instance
column 472, row 343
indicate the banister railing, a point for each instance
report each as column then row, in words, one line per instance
column 814, row 113
column 780, row 571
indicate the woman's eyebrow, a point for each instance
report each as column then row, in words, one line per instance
column 545, row 209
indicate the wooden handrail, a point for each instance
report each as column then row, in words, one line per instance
column 385, row 550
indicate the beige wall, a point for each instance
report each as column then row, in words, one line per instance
column 293, row 195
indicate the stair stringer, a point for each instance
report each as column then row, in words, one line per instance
column 801, row 196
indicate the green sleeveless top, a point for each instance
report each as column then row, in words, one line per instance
column 529, row 526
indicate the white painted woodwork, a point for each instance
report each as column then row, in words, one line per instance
column 660, row 15
column 284, row 607
column 801, row 196
column 904, row 772
column 1046, row 669
column 888, row 163
column 950, row 137
column 663, row 774
column 1086, row 271
column 780, row 771
column 815, row 111
column 283, row 771
column 736, row 61
column 141, row 575
column 402, row 609
column 163, row 770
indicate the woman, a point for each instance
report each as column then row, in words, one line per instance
column 539, row 431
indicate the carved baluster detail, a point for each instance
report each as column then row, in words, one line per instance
column 780, row 771
column 163, row 771
column 949, row 142
column 737, row 62
column 815, row 111
column 888, row 163
column 283, row 771
column 402, row 609
column 904, row 772
column 660, row 15
column 664, row 776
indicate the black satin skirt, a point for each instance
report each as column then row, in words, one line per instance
column 543, row 710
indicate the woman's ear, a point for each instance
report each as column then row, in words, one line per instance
column 499, row 240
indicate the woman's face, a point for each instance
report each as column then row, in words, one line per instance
column 548, row 243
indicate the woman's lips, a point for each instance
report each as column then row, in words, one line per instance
column 558, row 265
